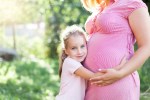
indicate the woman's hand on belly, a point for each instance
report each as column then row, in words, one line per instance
column 108, row 76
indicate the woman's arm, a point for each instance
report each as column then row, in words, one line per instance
column 139, row 21
column 140, row 24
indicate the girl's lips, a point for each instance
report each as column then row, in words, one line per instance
column 80, row 56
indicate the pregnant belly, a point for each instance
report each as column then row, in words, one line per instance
column 104, row 52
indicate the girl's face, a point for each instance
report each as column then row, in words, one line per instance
column 76, row 48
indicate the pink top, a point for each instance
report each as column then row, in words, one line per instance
column 111, row 38
column 72, row 87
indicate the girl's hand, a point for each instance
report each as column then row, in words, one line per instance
column 97, row 74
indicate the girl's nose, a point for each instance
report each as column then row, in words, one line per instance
column 79, row 51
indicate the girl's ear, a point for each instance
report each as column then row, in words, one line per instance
column 65, row 51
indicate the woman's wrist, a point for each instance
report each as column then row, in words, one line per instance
column 120, row 72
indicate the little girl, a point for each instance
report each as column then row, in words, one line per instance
column 72, row 73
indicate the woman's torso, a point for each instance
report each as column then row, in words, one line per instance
column 111, row 38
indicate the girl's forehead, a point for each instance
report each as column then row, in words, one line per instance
column 76, row 38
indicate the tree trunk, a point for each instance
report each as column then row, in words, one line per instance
column 14, row 36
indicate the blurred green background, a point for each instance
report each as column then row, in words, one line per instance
column 30, row 46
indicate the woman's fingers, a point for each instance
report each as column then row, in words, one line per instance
column 102, row 70
column 102, row 83
column 97, row 82
column 110, row 76
column 99, row 76
column 95, row 79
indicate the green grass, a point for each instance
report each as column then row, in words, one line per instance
column 28, row 79
column 33, row 79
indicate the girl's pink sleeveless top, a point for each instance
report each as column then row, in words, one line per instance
column 111, row 38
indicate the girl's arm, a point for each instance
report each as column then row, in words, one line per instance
column 85, row 73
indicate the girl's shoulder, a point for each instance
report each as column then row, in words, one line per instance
column 71, row 62
column 68, row 59
column 70, row 65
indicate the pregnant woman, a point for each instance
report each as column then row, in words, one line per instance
column 114, row 27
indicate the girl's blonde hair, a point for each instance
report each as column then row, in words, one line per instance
column 73, row 30
column 91, row 5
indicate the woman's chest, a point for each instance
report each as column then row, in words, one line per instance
column 107, row 22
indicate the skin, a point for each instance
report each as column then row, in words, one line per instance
column 139, row 21
column 76, row 48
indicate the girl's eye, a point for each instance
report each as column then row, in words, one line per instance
column 73, row 48
column 82, row 46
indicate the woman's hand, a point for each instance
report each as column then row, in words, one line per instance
column 109, row 76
